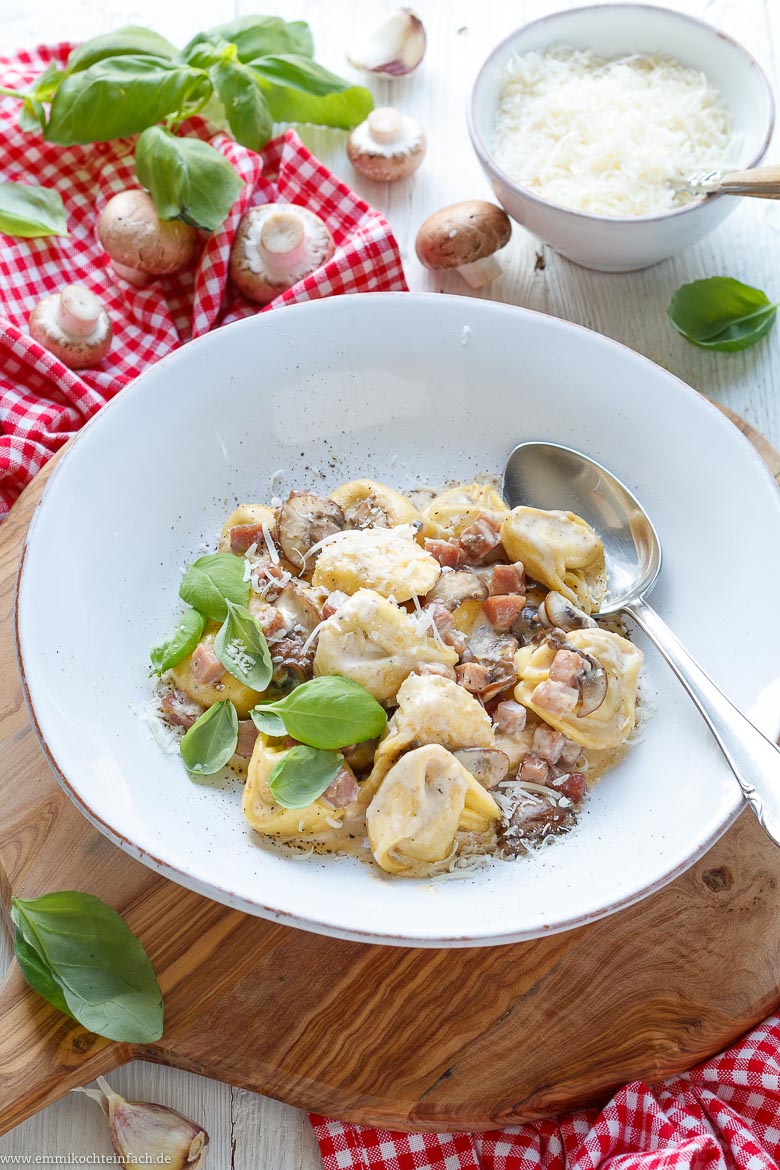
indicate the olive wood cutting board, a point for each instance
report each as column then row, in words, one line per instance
column 407, row 1039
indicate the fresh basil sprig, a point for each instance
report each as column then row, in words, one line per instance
column 81, row 956
column 327, row 712
column 303, row 774
column 187, row 178
column 182, row 642
column 242, row 649
column 212, row 581
column 130, row 40
column 30, row 212
column 212, row 740
column 722, row 313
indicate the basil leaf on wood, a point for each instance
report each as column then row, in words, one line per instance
column 188, row 179
column 211, row 741
column 120, row 96
column 242, row 649
column 255, row 36
column 721, row 313
column 30, row 212
column 327, row 712
column 302, row 774
column 126, row 41
column 80, row 955
column 211, row 581
column 299, row 90
column 246, row 109
column 182, row 642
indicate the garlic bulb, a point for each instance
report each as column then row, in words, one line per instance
column 394, row 49
column 141, row 1130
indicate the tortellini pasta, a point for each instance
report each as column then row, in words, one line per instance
column 425, row 798
column 366, row 503
column 560, row 550
column 388, row 560
column 265, row 815
column 225, row 687
column 246, row 514
column 452, row 511
column 611, row 722
column 376, row 644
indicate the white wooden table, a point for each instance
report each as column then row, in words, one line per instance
column 249, row 1131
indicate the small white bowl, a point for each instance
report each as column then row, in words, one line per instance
column 608, row 243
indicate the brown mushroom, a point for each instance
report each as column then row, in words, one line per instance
column 456, row 587
column 465, row 236
column 276, row 245
column 556, row 611
column 488, row 766
column 141, row 245
column 73, row 325
column 388, row 146
column 304, row 520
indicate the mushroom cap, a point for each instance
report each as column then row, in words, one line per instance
column 462, row 233
column 75, row 352
column 133, row 235
column 250, row 272
column 386, row 158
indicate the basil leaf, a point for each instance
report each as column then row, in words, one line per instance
column 182, row 642
column 81, row 956
column 45, row 85
column 212, row 740
column 242, row 649
column 299, row 90
column 267, row 722
column 211, row 581
column 255, row 36
column 302, row 774
column 188, row 179
column 32, row 116
column 328, row 712
column 721, row 313
column 30, row 212
column 207, row 48
column 129, row 40
column 120, row 96
column 244, row 103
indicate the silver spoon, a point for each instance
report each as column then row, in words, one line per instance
column 546, row 475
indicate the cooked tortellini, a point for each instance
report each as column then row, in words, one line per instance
column 367, row 504
column 613, row 720
column 423, row 801
column 377, row 644
column 452, row 511
column 388, row 560
column 258, row 514
column 560, row 550
column 265, row 815
column 225, row 686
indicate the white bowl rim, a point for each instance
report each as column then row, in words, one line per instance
column 488, row 161
column 224, row 895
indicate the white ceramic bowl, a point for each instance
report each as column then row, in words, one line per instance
column 608, row 243
column 394, row 386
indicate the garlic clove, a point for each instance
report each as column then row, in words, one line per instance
column 394, row 48
column 142, row 1131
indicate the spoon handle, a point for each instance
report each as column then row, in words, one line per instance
column 754, row 759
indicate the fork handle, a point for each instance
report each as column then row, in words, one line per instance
column 754, row 759
column 760, row 183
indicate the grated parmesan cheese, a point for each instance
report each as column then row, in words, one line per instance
column 609, row 137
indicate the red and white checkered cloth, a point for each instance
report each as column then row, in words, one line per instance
column 723, row 1115
column 42, row 403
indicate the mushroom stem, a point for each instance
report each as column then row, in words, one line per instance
column 480, row 272
column 78, row 311
column 385, row 125
column 282, row 241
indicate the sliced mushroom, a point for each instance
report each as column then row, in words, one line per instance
column 489, row 766
column 465, row 236
column 298, row 611
column 304, row 520
column 452, row 589
column 526, row 625
column 556, row 611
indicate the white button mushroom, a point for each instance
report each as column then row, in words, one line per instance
column 394, row 48
column 465, row 236
column 141, row 245
column 73, row 325
column 276, row 245
column 389, row 145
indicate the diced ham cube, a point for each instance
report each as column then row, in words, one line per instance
column 555, row 697
column 247, row 734
column 271, row 622
column 548, row 744
column 510, row 717
column 480, row 539
column 442, row 619
column 243, row 536
column 206, row 667
column 502, row 609
column 534, row 770
column 508, row 578
column 449, row 554
column 472, row 676
column 573, row 786
column 566, row 667
column 342, row 790
column 570, row 754
column 333, row 602
column 179, row 710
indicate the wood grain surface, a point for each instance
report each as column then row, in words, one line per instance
column 463, row 1039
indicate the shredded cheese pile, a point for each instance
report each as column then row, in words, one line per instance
column 609, row 137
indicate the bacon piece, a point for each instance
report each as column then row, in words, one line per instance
column 247, row 734
column 449, row 554
column 502, row 609
column 508, row 578
column 548, row 744
column 342, row 790
column 573, row 786
column 243, row 536
column 555, row 697
column 534, row 770
column 271, row 622
column 472, row 676
column 179, row 710
column 532, row 822
column 510, row 717
column 206, row 667
column 570, row 754
column 442, row 619
column 480, row 539
column 439, row 668
column 566, row 667
column 333, row 602
column 288, row 653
